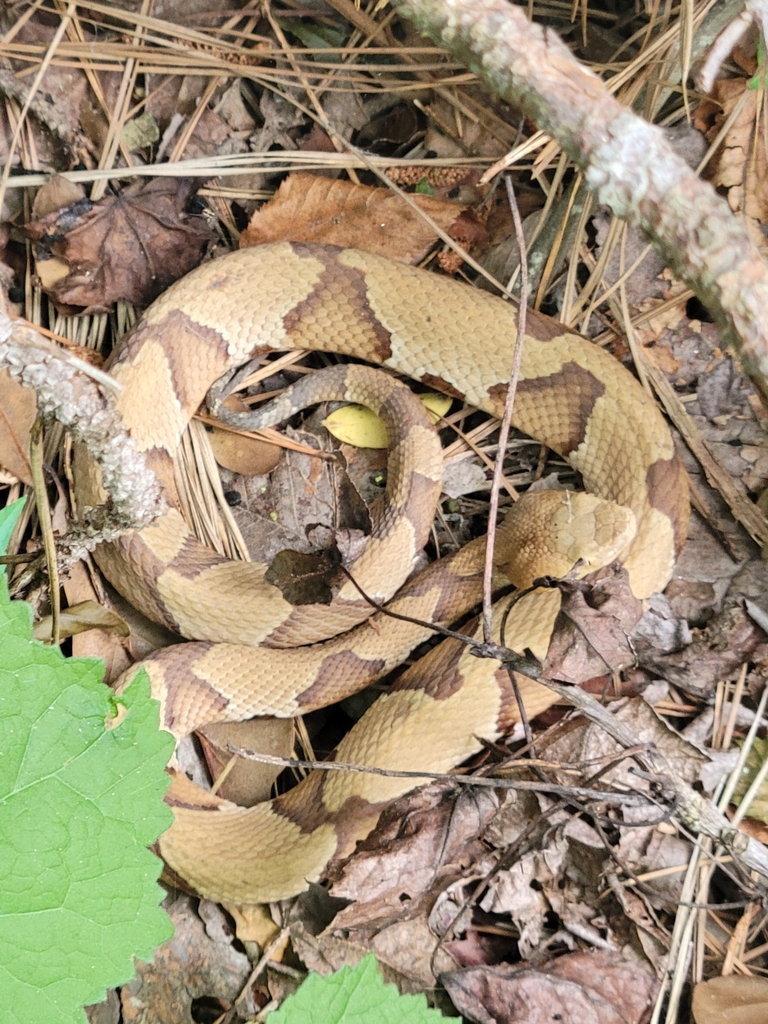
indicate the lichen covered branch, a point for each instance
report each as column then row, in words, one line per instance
column 626, row 161
column 67, row 391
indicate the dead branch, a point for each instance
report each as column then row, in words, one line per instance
column 693, row 810
column 67, row 391
column 626, row 161
column 618, row 799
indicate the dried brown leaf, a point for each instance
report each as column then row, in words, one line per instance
column 308, row 208
column 56, row 103
column 595, row 638
column 96, row 643
column 734, row 999
column 173, row 95
column 591, row 988
column 239, row 452
column 210, row 135
column 55, row 194
column 403, row 958
column 741, row 167
column 189, row 966
column 523, row 891
column 248, row 456
column 718, row 651
column 246, row 782
column 79, row 618
column 107, row 1012
column 306, row 504
column 131, row 246
column 692, row 600
column 422, row 841
column 18, row 409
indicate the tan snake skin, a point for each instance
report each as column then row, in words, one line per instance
column 572, row 396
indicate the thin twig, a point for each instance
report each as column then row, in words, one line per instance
column 524, row 720
column 266, row 956
column 27, row 556
column 232, row 165
column 575, row 792
column 46, row 529
column 268, row 436
column 526, row 665
column 506, row 420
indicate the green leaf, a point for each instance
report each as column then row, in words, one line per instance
column 758, row 80
column 315, row 36
column 81, row 786
column 353, row 996
column 9, row 516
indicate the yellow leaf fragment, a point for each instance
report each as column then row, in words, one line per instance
column 437, row 404
column 354, row 424
column 358, row 426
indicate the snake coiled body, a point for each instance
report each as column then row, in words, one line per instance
column 572, row 396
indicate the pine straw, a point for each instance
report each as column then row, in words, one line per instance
column 139, row 44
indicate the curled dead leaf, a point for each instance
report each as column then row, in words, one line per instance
column 55, row 194
column 240, row 780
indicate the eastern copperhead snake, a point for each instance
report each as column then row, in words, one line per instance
column 572, row 396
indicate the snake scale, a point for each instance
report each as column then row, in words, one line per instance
column 572, row 396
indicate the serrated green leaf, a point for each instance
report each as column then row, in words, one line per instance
column 353, row 996
column 81, row 786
